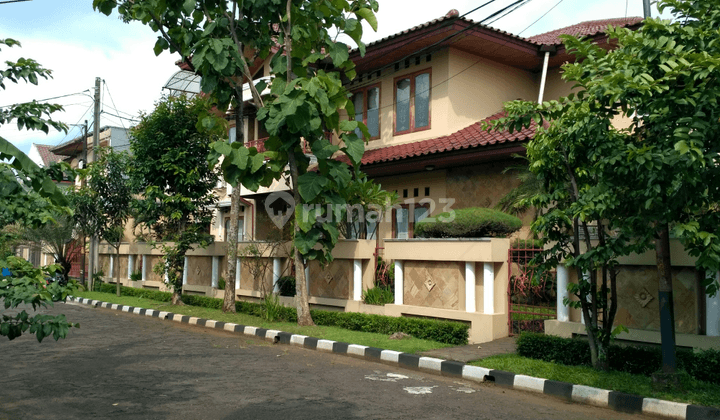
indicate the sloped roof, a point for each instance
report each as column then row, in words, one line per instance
column 469, row 137
column 46, row 155
column 588, row 28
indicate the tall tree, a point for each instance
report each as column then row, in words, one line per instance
column 306, row 100
column 659, row 173
column 175, row 181
column 104, row 204
column 22, row 183
column 219, row 40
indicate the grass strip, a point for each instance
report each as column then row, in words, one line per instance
column 406, row 345
column 696, row 392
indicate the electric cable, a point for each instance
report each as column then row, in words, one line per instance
column 551, row 9
column 47, row 99
column 114, row 106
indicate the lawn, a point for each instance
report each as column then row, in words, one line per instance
column 406, row 345
column 696, row 392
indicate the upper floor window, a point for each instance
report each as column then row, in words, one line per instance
column 412, row 102
column 367, row 109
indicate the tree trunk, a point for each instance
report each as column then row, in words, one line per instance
column 665, row 298
column 301, row 295
column 177, row 298
column 229, row 299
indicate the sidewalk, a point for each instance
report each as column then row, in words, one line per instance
column 472, row 352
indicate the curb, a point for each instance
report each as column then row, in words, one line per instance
column 617, row 401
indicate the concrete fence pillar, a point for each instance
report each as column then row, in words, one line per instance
column 712, row 313
column 185, row 271
column 277, row 270
column 131, row 265
column 489, row 288
column 357, row 280
column 144, row 267
column 238, row 270
column 470, row 286
column 563, row 313
column 307, row 277
column 215, row 274
column 399, row 288
column 111, row 274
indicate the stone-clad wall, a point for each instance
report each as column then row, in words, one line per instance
column 435, row 284
column 332, row 281
column 638, row 303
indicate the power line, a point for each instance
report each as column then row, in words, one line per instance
column 78, row 122
column 471, row 26
column 510, row 11
column 47, row 99
column 119, row 116
column 551, row 9
column 115, row 106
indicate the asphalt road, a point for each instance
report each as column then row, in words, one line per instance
column 120, row 365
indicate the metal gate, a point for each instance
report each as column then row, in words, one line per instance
column 528, row 305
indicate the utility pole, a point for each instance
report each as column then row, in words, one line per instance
column 84, row 160
column 96, row 145
column 646, row 9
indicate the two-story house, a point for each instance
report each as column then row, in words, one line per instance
column 423, row 94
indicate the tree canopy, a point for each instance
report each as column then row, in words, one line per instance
column 635, row 149
column 307, row 100
column 174, row 179
column 29, row 198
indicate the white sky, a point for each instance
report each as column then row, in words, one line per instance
column 79, row 44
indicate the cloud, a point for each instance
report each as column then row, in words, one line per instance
column 133, row 76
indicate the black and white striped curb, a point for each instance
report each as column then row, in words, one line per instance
column 578, row 393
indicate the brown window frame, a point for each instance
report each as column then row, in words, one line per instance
column 412, row 77
column 364, row 90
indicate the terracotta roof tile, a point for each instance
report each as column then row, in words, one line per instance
column 469, row 137
column 46, row 155
column 589, row 28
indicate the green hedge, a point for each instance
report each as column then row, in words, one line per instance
column 134, row 292
column 472, row 222
column 639, row 360
column 449, row 332
column 441, row 331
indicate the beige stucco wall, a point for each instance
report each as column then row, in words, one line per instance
column 555, row 86
column 479, row 87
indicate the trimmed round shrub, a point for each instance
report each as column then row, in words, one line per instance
column 472, row 222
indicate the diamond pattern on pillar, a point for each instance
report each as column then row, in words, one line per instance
column 332, row 281
column 434, row 284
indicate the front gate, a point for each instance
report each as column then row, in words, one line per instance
column 528, row 305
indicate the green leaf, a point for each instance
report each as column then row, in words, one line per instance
column 369, row 17
column 354, row 147
column 305, row 241
column 310, row 185
column 323, row 149
column 188, row 6
column 682, row 147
